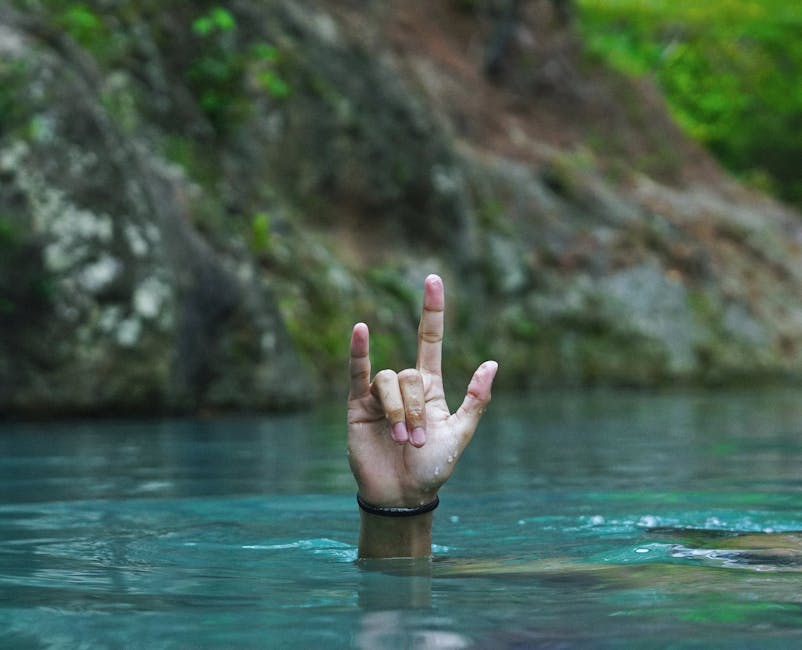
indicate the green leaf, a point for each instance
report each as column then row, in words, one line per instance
column 260, row 232
column 218, row 19
column 274, row 84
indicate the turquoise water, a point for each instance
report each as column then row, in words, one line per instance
column 573, row 520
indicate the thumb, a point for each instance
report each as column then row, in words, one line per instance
column 476, row 400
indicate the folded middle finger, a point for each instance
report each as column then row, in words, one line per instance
column 411, row 383
column 386, row 388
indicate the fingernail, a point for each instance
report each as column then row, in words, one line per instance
column 418, row 437
column 400, row 433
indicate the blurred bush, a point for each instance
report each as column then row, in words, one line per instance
column 730, row 70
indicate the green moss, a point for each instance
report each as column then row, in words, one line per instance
column 26, row 287
column 14, row 109
column 564, row 175
column 88, row 25
column 390, row 281
column 197, row 160
column 468, row 6
column 579, row 349
column 520, row 325
column 319, row 317
column 319, row 328
column 703, row 308
column 491, row 214
column 613, row 358
column 7, row 232
column 260, row 237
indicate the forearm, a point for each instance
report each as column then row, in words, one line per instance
column 394, row 537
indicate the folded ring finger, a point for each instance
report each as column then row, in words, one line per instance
column 411, row 385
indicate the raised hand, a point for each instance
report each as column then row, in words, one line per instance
column 403, row 442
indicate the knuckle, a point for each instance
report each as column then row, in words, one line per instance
column 396, row 415
column 415, row 412
column 359, row 373
column 475, row 394
column 430, row 336
column 408, row 375
column 385, row 375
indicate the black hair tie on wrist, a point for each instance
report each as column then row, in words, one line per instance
column 397, row 511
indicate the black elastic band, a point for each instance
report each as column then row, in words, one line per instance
column 397, row 511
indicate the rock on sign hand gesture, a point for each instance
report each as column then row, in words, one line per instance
column 403, row 442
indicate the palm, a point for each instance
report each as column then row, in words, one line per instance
column 390, row 473
column 386, row 469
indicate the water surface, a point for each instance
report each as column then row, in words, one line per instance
column 573, row 520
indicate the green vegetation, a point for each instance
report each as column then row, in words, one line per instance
column 86, row 23
column 217, row 20
column 220, row 74
column 730, row 70
column 13, row 102
column 260, row 236
column 83, row 24
column 227, row 69
column 25, row 286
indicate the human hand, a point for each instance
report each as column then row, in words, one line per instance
column 403, row 442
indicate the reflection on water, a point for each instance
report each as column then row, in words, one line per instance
column 180, row 458
column 640, row 440
column 573, row 519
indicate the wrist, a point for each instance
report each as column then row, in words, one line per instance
column 396, row 498
column 395, row 537
column 397, row 511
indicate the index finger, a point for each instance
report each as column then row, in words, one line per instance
column 359, row 365
column 430, row 330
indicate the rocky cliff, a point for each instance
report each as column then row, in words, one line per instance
column 197, row 199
